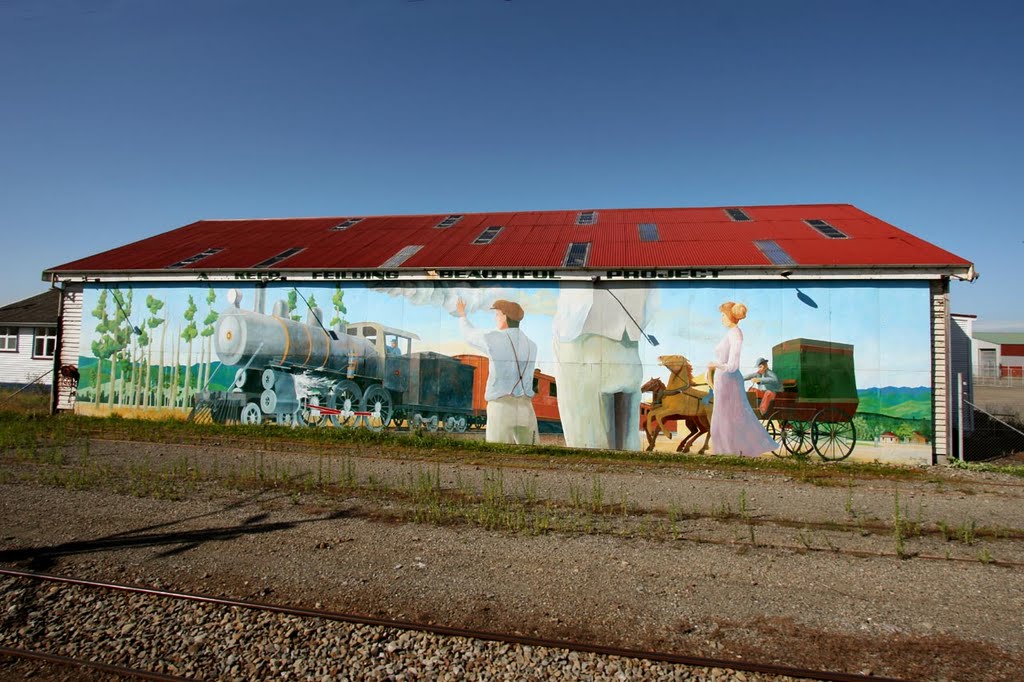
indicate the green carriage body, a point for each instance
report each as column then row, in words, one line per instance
column 816, row 374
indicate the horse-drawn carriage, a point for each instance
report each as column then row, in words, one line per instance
column 814, row 410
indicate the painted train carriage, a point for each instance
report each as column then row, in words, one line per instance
column 302, row 373
column 815, row 409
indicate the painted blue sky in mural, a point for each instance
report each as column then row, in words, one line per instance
column 887, row 324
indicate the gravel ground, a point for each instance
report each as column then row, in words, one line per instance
column 204, row 641
column 747, row 565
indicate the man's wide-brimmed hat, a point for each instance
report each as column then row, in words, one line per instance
column 512, row 310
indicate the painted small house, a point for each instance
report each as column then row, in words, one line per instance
column 250, row 320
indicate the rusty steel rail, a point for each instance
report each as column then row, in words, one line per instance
column 583, row 647
column 91, row 665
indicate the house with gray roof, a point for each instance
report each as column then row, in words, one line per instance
column 28, row 339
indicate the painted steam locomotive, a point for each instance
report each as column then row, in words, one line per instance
column 305, row 374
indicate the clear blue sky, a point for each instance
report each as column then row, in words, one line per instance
column 120, row 119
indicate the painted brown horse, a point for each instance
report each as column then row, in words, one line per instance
column 682, row 400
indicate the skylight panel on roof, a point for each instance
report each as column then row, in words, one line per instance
column 648, row 232
column 738, row 214
column 274, row 260
column 827, row 230
column 192, row 259
column 345, row 224
column 576, row 255
column 586, row 218
column 775, row 254
column 488, row 235
column 404, row 254
column 449, row 221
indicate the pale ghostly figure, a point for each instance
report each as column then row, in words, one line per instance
column 596, row 335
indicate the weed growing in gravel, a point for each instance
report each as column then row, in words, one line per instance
column 948, row 533
column 966, row 532
column 848, row 504
column 596, row 494
column 900, row 527
column 575, row 496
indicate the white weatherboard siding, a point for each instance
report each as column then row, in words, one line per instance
column 71, row 332
column 20, row 367
column 940, row 369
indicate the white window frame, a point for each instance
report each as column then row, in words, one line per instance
column 7, row 335
column 48, row 337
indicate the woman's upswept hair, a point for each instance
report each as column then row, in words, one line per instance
column 734, row 311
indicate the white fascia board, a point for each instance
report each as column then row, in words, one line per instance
column 496, row 274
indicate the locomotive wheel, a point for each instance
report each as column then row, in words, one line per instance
column 796, row 437
column 307, row 413
column 347, row 397
column 251, row 414
column 833, row 434
column 377, row 401
column 399, row 419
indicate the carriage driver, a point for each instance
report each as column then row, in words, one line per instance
column 768, row 385
column 512, row 358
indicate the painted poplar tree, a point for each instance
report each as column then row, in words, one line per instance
column 208, row 328
column 190, row 332
column 312, row 304
column 138, row 384
column 155, row 305
column 120, row 327
column 338, row 300
column 293, row 303
column 100, row 347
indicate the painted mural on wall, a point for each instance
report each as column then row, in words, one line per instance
column 738, row 368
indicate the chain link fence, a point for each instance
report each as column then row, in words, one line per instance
column 998, row 422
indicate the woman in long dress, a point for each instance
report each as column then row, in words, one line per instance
column 735, row 429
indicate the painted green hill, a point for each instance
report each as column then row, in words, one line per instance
column 902, row 402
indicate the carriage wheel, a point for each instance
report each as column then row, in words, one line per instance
column 796, row 437
column 771, row 425
column 251, row 414
column 377, row 401
column 833, row 433
column 307, row 413
column 347, row 397
column 431, row 422
column 449, row 423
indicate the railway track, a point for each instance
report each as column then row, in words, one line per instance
column 244, row 639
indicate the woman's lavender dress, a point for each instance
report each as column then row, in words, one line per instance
column 735, row 429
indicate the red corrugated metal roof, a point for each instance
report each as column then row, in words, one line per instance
column 689, row 237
